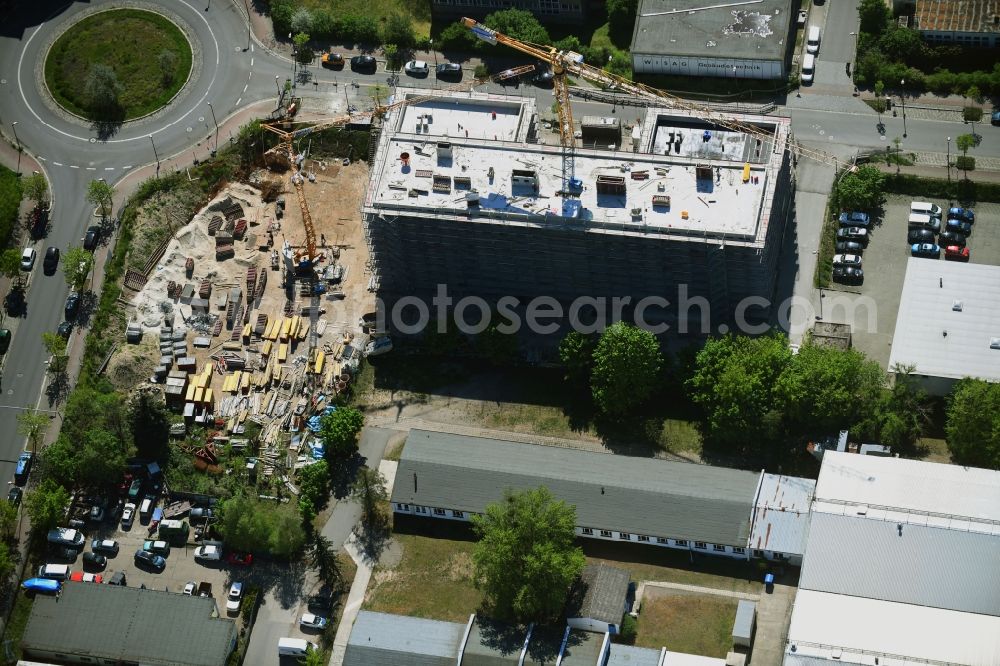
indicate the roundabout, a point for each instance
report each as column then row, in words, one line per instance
column 118, row 65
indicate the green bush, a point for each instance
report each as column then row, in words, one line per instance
column 965, row 163
column 482, row 71
column 628, row 630
column 10, row 201
column 972, row 114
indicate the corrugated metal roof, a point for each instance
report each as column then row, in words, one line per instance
column 380, row 639
column 781, row 518
column 884, row 627
column 130, row 624
column 628, row 655
column 636, row 495
column 599, row 594
column 908, row 485
column 915, row 564
column 957, row 15
column 938, row 339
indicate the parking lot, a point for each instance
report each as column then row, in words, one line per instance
column 871, row 307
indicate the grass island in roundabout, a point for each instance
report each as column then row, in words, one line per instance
column 117, row 65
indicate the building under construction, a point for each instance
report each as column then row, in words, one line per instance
column 465, row 192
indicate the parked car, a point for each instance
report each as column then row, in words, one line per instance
column 117, row 578
column 90, row 239
column 95, row 560
column 366, row 62
column 333, row 60
column 240, row 559
column 72, row 306
column 846, row 260
column 106, row 546
column 14, row 495
column 449, row 70
column 995, row 118
column 964, row 214
column 159, row 547
column 853, row 233
column 50, row 261
column 854, row 219
column 66, row 537
column 149, row 559
column 850, row 246
column 83, row 577
column 23, row 467
column 951, row 238
column 128, row 515
column 960, row 226
column 234, row 598
column 5, row 337
column 28, row 258
column 416, row 68
column 189, row 588
column 312, row 621
column 64, row 330
column 43, row 585
column 919, row 236
column 135, row 489
column 929, row 250
column 956, row 253
column 201, row 512
column 65, row 553
column 208, row 553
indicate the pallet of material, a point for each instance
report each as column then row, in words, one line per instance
column 286, row 325
column 265, row 349
column 303, row 330
column 217, row 329
column 239, row 228
column 272, row 326
column 205, row 289
column 282, row 352
column 247, row 329
column 251, row 279
column 261, row 283
column 261, row 326
column 223, row 252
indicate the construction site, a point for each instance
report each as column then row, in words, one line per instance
column 465, row 192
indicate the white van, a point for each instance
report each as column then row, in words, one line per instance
column 925, row 208
column 812, row 40
column 146, row 508
column 808, row 68
column 294, row 647
column 54, row 571
column 922, row 221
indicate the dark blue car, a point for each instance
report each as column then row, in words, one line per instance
column 962, row 227
column 995, row 118
column 23, row 468
column 964, row 214
column 854, row 219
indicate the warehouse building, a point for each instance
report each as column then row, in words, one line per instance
column 111, row 624
column 661, row 503
column 900, row 566
column 741, row 40
column 463, row 194
column 948, row 324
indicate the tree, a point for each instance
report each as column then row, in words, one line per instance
column 315, row 657
column 964, row 142
column 55, row 345
column 975, row 94
column 391, row 53
column 339, row 431
column 8, row 519
column 324, row 557
column 621, row 19
column 456, row 36
column 879, row 100
column 167, row 61
column 33, row 425
column 369, row 490
column 303, row 54
column 99, row 193
column 875, row 16
column 398, row 30
column 6, row 562
column 733, row 384
column 101, row 89
column 250, row 524
column 862, row 189
column 77, row 263
column 10, row 263
column 519, row 24
column 972, row 423
column 627, row 362
column 36, row 188
column 526, row 558
column 46, row 505
column 302, row 21
column 576, row 352
column 314, row 484
column 150, row 425
column 901, row 414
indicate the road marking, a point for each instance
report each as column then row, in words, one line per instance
column 127, row 167
column 91, row 168
column 238, row 101
column 249, row 75
column 73, row 166
column 42, row 158
column 109, row 168
column 57, row 163
column 251, row 61
column 245, row 87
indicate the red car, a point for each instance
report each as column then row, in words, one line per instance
column 957, row 253
column 82, row 577
column 240, row 559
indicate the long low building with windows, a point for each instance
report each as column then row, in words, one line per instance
column 669, row 504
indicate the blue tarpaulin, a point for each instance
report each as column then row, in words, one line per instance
column 41, row 585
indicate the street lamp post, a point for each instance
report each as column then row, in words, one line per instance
column 948, row 163
column 212, row 109
column 155, row 155
column 13, row 126
column 902, row 101
column 248, row 24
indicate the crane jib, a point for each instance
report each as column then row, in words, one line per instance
column 484, row 33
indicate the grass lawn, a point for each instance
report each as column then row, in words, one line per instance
column 433, row 579
column 934, row 449
column 18, row 622
column 10, row 201
column 674, row 566
column 130, row 42
column 419, row 11
column 699, row 624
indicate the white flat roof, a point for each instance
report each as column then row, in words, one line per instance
column 831, row 626
column 457, row 117
column 781, row 514
column 937, row 338
column 909, row 491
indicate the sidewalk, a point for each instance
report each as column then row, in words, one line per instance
column 940, row 172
